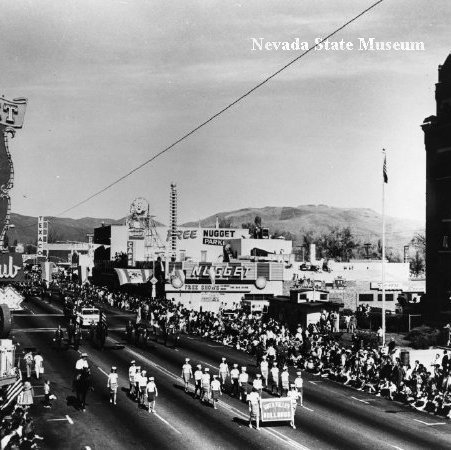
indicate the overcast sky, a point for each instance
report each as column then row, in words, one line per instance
column 110, row 83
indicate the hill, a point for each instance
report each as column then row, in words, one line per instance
column 365, row 224
column 60, row 228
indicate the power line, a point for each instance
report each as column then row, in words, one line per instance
column 220, row 112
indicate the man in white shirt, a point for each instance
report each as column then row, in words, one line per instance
column 275, row 379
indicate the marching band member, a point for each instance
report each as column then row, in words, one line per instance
column 131, row 378
column 215, row 387
column 223, row 372
column 299, row 384
column 112, row 384
column 198, row 381
column 293, row 395
column 242, row 382
column 264, row 368
column 205, row 392
column 152, row 393
column 234, row 375
column 187, row 373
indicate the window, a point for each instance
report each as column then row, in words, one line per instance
column 366, row 297
column 323, row 296
column 388, row 297
column 445, row 241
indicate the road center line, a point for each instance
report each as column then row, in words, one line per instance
column 101, row 370
column 359, row 400
column 429, row 424
column 167, row 423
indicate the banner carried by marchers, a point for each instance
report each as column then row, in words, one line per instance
column 276, row 409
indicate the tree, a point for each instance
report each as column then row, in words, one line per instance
column 224, row 222
column 417, row 264
column 55, row 235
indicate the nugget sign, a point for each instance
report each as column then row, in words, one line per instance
column 12, row 112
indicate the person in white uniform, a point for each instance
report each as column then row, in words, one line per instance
column 112, row 384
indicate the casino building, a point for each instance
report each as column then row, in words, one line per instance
column 437, row 138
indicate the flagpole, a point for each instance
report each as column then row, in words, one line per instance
column 383, row 251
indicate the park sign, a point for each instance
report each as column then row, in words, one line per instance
column 276, row 409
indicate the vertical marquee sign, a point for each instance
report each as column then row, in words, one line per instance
column 11, row 118
column 43, row 232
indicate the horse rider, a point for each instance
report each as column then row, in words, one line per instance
column 81, row 363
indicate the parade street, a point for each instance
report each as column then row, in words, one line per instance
column 333, row 415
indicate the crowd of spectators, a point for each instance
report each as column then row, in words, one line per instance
column 316, row 349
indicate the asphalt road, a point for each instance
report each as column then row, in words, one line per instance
column 334, row 416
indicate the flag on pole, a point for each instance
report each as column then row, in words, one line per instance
column 384, row 169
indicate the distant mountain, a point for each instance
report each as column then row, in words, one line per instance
column 366, row 224
column 25, row 228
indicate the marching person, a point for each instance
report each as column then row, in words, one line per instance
column 142, row 388
column 242, row 382
column 137, row 380
column 205, row 393
column 187, row 373
column 216, row 391
column 131, row 378
column 152, row 394
column 293, row 395
column 112, row 384
column 58, row 337
column 253, row 400
column 264, row 368
column 38, row 364
column 299, row 385
column 198, row 381
column 29, row 363
column 285, row 381
column 234, row 375
column 257, row 384
column 275, row 378
column 223, row 373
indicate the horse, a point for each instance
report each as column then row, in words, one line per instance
column 82, row 384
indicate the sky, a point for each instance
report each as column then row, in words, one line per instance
column 111, row 83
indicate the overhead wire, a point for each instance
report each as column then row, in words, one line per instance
column 220, row 112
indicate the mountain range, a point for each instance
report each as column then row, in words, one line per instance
column 364, row 223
